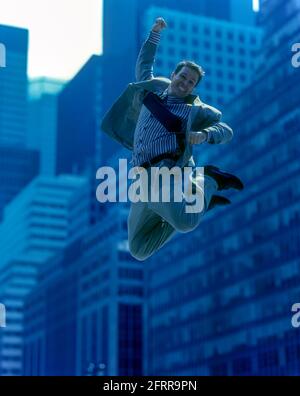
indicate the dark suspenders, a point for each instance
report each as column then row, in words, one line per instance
column 170, row 121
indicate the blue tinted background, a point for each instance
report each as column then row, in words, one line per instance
column 216, row 301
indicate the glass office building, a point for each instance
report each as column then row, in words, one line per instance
column 13, row 86
column 42, row 120
column 220, row 298
column 226, row 50
column 85, row 317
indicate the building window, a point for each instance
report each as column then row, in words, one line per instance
column 195, row 42
column 195, row 29
column 207, row 44
column 171, row 51
column 219, row 47
column 220, row 87
column 231, row 89
column 171, row 65
column 195, row 55
column 183, row 26
column 206, row 30
column 241, row 38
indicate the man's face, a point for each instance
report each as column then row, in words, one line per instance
column 183, row 83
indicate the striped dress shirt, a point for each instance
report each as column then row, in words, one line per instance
column 151, row 138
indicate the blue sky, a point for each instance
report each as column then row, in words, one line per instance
column 62, row 33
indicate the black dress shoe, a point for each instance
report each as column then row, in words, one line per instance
column 218, row 200
column 224, row 180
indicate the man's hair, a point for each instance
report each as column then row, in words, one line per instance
column 192, row 65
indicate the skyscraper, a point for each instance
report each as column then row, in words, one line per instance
column 85, row 317
column 18, row 165
column 13, row 87
column 122, row 29
column 17, row 278
column 226, row 50
column 79, row 114
column 225, row 307
column 42, row 121
column 47, row 216
column 124, row 32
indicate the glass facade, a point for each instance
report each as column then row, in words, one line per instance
column 225, row 308
column 13, row 86
column 42, row 121
column 98, row 317
column 226, row 51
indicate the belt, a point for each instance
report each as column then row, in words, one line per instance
column 158, row 158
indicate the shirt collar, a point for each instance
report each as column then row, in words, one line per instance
column 189, row 99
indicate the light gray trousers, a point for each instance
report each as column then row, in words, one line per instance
column 152, row 224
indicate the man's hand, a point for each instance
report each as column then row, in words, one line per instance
column 197, row 137
column 159, row 25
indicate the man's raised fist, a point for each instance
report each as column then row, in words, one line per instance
column 159, row 25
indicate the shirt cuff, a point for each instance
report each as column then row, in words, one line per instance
column 209, row 138
column 154, row 37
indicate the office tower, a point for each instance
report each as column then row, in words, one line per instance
column 85, row 315
column 79, row 116
column 226, row 51
column 81, row 146
column 13, row 86
column 46, row 217
column 224, row 308
column 18, row 165
column 42, row 121
column 122, row 20
column 17, row 278
column 125, row 30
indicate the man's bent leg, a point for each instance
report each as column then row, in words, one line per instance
column 147, row 231
column 181, row 214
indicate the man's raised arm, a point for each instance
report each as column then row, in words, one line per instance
column 145, row 61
